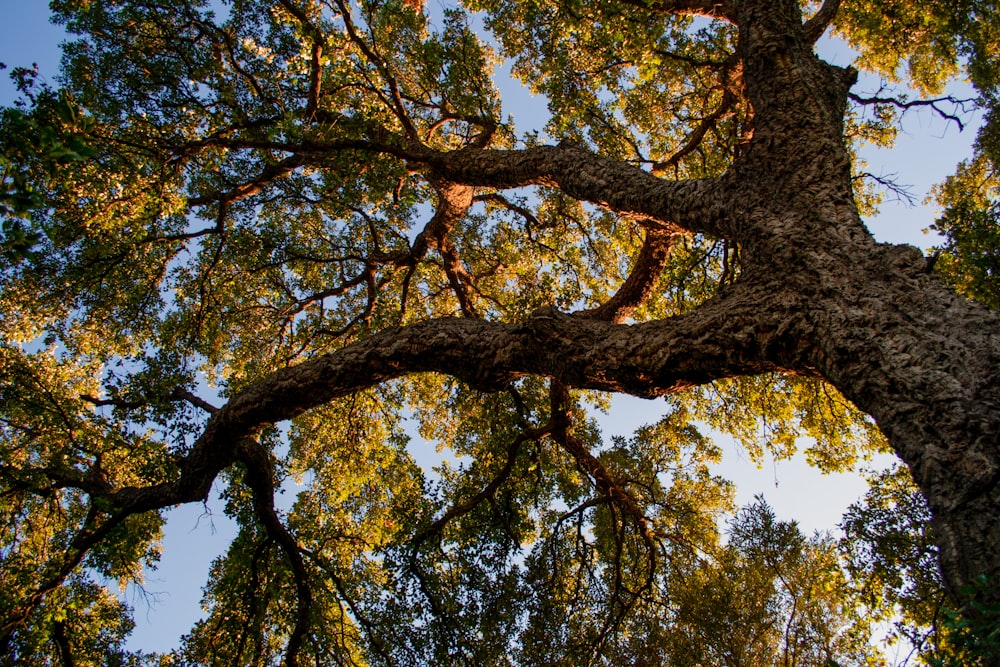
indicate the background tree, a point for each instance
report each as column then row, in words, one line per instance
column 264, row 237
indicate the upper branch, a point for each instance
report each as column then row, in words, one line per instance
column 316, row 55
column 395, row 101
column 697, row 205
column 268, row 175
column 821, row 20
column 722, row 9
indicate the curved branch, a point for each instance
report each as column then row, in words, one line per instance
column 530, row 219
column 741, row 333
column 640, row 282
column 267, row 175
column 603, row 480
column 396, row 100
column 459, row 278
column 463, row 508
column 698, row 205
column 370, row 630
column 453, row 203
column 710, row 121
column 57, row 570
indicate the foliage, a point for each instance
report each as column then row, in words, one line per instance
column 890, row 555
column 223, row 192
column 971, row 226
column 772, row 597
column 975, row 632
column 54, row 136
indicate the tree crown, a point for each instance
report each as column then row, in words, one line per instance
column 264, row 242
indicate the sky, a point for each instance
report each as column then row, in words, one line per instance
column 926, row 151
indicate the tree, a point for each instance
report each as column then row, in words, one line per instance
column 770, row 597
column 299, row 225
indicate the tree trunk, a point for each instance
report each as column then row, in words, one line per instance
column 873, row 321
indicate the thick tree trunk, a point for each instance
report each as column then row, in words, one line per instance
column 924, row 364
column 878, row 326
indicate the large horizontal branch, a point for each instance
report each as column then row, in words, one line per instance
column 730, row 336
column 696, row 205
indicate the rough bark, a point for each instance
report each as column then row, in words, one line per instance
column 901, row 346
column 722, row 339
column 869, row 318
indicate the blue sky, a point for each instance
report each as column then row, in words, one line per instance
column 926, row 152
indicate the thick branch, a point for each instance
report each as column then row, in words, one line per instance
column 736, row 335
column 61, row 640
column 821, row 20
column 697, row 205
column 453, row 204
column 459, row 279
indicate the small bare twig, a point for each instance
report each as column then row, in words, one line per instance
column 888, row 182
column 958, row 105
